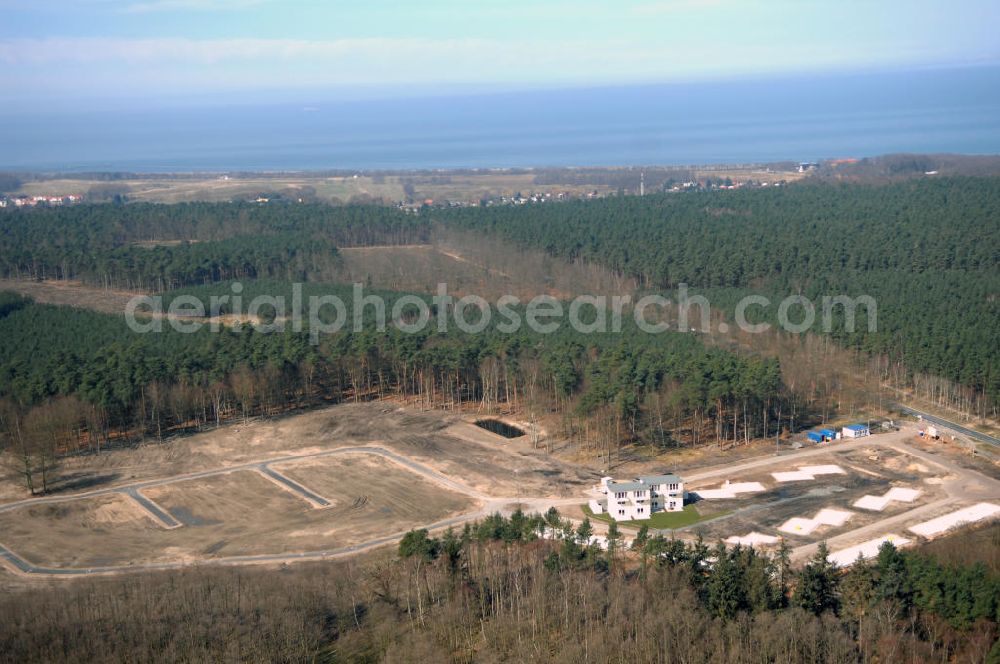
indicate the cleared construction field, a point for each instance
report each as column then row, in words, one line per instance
column 233, row 514
column 466, row 264
column 827, row 505
column 371, row 494
column 352, row 477
column 89, row 532
column 311, row 483
column 446, row 442
column 70, row 294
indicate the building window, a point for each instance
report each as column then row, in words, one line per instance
column 621, row 512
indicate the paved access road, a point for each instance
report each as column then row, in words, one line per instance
column 941, row 422
column 158, row 513
column 24, row 567
column 489, row 504
column 311, row 497
column 963, row 485
column 960, row 484
column 406, row 462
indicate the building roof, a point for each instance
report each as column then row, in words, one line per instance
column 827, row 432
column 856, row 427
column 659, row 479
column 643, row 482
column 626, row 486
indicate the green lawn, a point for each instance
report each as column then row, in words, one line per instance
column 660, row 520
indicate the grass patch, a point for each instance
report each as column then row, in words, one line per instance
column 660, row 520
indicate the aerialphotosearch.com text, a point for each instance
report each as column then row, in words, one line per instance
column 328, row 313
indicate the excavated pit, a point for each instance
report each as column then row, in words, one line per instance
column 500, row 428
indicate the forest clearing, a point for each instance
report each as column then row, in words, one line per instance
column 381, row 470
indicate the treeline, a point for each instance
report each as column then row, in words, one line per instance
column 496, row 592
column 734, row 580
column 295, row 257
column 603, row 390
column 896, row 166
column 925, row 250
column 159, row 247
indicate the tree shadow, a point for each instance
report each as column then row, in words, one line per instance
column 82, row 481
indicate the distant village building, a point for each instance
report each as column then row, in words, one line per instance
column 23, row 200
column 640, row 498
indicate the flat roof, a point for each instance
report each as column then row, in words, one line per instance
column 856, row 427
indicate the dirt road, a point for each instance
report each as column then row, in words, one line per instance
column 488, row 505
column 959, row 483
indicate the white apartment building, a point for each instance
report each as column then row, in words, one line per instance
column 638, row 499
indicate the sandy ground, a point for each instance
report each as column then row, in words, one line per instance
column 443, row 441
column 765, row 511
column 445, row 470
column 467, row 265
column 71, row 293
column 987, row 463
column 240, row 512
column 82, row 533
column 948, row 479
column 233, row 514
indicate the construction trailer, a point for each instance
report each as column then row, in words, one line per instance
column 855, row 431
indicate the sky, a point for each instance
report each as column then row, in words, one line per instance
column 161, row 50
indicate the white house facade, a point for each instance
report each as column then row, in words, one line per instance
column 640, row 498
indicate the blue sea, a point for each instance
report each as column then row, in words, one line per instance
column 750, row 120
